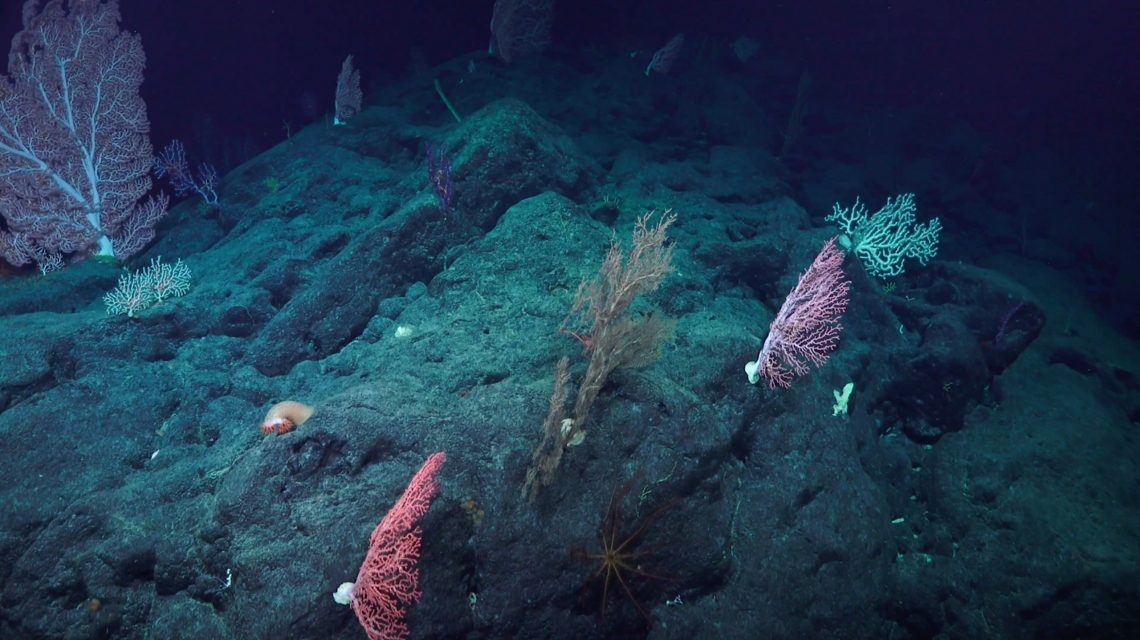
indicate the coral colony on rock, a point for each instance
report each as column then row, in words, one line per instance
column 538, row 319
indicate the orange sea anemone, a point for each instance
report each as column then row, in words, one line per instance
column 285, row 416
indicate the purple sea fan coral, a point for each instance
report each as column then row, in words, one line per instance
column 439, row 173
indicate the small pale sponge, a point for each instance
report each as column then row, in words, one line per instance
column 285, row 416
